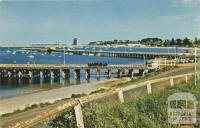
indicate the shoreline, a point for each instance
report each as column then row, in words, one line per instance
column 11, row 104
column 48, row 88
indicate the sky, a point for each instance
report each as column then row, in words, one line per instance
column 49, row 21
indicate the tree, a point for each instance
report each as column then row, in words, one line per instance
column 179, row 42
column 187, row 42
column 166, row 43
column 196, row 41
column 172, row 42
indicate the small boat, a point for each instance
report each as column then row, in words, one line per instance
column 31, row 57
column 8, row 51
column 14, row 52
column 91, row 54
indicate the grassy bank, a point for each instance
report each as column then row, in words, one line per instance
column 146, row 111
column 133, row 80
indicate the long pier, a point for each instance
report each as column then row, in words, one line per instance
column 128, row 54
column 63, row 71
column 148, row 55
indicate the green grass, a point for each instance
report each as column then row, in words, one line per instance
column 28, row 107
column 146, row 111
column 101, row 90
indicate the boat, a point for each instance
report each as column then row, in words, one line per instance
column 91, row 54
column 31, row 57
column 14, row 52
column 8, row 51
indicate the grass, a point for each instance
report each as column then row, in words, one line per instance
column 33, row 106
column 146, row 111
column 101, row 90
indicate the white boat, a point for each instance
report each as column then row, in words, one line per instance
column 31, row 57
column 8, row 51
column 91, row 54
column 14, row 52
column 98, row 54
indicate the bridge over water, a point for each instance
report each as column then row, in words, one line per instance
column 129, row 54
column 148, row 55
column 63, row 71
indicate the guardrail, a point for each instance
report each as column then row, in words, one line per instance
column 121, row 91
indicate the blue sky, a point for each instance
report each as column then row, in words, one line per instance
column 45, row 21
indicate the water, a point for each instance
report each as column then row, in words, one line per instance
column 10, row 88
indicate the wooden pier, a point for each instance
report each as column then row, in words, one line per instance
column 8, row 71
column 147, row 55
column 128, row 54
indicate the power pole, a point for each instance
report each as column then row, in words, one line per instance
column 64, row 56
column 195, row 65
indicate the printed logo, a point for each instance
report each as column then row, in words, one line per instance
column 182, row 108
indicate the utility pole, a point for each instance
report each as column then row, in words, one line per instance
column 195, row 65
column 64, row 56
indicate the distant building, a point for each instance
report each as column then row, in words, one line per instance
column 75, row 41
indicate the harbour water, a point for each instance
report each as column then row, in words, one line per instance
column 16, row 87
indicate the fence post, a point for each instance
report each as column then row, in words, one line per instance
column 186, row 79
column 79, row 116
column 120, row 95
column 149, row 91
column 171, row 81
column 198, row 77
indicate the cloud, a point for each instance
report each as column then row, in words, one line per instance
column 191, row 3
column 174, row 17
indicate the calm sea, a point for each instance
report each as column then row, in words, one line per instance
column 10, row 88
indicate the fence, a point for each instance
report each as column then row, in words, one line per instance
column 121, row 94
column 113, row 95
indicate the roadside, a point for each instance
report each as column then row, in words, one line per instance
column 13, row 119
